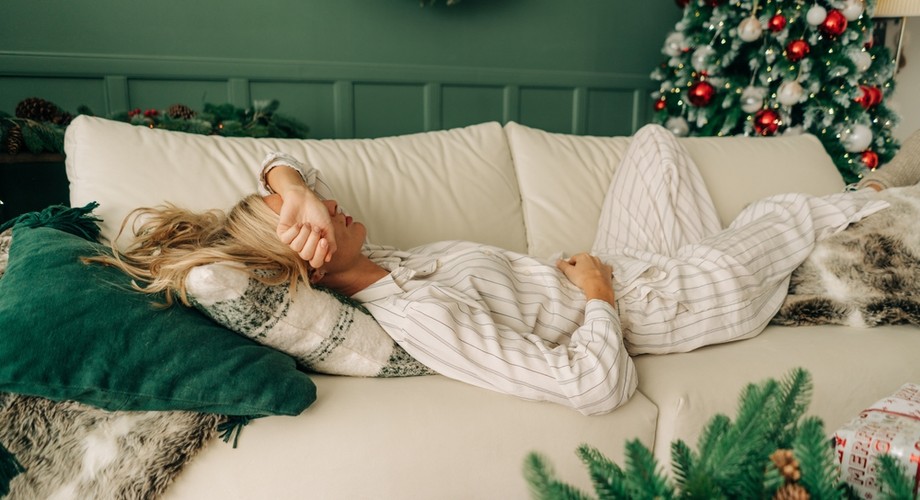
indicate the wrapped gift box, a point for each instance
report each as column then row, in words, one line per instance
column 890, row 426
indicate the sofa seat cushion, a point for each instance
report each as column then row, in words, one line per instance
column 851, row 368
column 564, row 178
column 408, row 190
column 410, row 438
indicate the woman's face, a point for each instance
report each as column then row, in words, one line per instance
column 349, row 234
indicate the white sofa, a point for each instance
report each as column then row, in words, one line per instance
column 512, row 186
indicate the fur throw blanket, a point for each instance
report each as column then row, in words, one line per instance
column 865, row 276
column 73, row 451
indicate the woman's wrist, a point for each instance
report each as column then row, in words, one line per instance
column 283, row 179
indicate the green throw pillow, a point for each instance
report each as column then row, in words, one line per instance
column 71, row 331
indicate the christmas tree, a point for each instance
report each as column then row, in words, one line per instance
column 771, row 67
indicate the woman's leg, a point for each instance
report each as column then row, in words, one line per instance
column 729, row 285
column 681, row 281
column 657, row 200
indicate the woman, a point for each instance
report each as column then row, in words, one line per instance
column 662, row 273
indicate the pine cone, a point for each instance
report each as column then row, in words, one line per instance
column 180, row 111
column 14, row 141
column 791, row 492
column 787, row 464
column 34, row 108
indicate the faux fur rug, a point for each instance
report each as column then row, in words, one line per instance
column 865, row 276
column 73, row 451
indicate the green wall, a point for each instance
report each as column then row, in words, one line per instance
column 347, row 68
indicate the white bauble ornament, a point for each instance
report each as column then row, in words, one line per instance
column 674, row 44
column 701, row 60
column 816, row 15
column 856, row 138
column 852, row 9
column 790, row 93
column 750, row 29
column 678, row 126
column 752, row 99
column 861, row 59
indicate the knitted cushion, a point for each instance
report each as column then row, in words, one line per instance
column 325, row 332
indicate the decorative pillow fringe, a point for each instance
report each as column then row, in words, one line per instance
column 232, row 427
column 76, row 221
column 9, row 469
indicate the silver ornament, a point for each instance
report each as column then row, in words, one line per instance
column 816, row 15
column 752, row 99
column 750, row 29
column 701, row 60
column 861, row 59
column 856, row 138
column 678, row 126
column 790, row 93
column 852, row 9
column 674, row 44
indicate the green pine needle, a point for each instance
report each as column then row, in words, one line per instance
column 544, row 485
column 816, row 460
column 606, row 476
column 644, row 479
column 894, row 478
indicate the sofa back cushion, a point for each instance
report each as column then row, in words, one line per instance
column 564, row 178
column 408, row 190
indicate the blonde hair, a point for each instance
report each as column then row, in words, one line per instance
column 171, row 241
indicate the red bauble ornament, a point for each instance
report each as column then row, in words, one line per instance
column 682, row 3
column 777, row 23
column 714, row 3
column 869, row 158
column 766, row 122
column 701, row 94
column 835, row 23
column 871, row 96
column 876, row 96
column 797, row 50
column 659, row 104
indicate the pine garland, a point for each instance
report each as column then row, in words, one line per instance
column 769, row 451
column 42, row 134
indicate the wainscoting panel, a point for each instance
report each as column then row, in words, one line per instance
column 338, row 100
column 611, row 112
column 463, row 105
column 67, row 92
column 382, row 109
column 550, row 109
column 162, row 93
column 313, row 103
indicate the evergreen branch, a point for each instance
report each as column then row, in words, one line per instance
column 796, row 390
column 644, row 480
column 606, row 476
column 816, row 460
column 682, row 462
column 543, row 483
column 894, row 479
column 712, row 433
column 739, row 453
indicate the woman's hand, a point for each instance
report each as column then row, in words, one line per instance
column 305, row 223
column 592, row 276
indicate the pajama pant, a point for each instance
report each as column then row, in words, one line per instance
column 681, row 281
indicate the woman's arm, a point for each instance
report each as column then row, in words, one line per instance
column 304, row 224
column 458, row 338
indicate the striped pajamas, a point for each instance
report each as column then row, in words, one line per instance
column 514, row 324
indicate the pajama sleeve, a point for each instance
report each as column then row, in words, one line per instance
column 458, row 338
column 308, row 173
